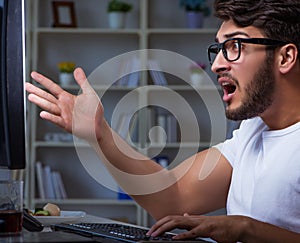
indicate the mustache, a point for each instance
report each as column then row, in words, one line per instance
column 229, row 76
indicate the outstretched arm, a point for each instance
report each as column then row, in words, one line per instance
column 182, row 189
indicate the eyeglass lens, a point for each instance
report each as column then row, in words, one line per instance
column 231, row 50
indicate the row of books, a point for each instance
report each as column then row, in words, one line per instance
column 169, row 124
column 131, row 70
column 49, row 182
column 127, row 126
column 166, row 122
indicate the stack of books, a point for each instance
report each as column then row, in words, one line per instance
column 49, row 182
column 130, row 69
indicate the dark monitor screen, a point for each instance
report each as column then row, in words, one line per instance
column 12, row 78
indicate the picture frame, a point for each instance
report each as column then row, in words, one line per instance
column 64, row 14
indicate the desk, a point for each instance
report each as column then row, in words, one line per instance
column 47, row 235
column 55, row 237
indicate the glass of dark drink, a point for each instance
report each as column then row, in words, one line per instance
column 11, row 206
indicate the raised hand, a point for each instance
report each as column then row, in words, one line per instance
column 81, row 115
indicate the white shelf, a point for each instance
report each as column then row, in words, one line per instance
column 182, row 145
column 67, row 31
column 91, row 201
column 59, row 144
column 168, row 31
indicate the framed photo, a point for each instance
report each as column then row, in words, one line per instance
column 64, row 14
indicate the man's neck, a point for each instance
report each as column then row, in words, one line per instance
column 282, row 115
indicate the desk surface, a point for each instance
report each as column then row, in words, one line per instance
column 48, row 236
column 61, row 237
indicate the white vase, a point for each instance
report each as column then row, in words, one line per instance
column 116, row 20
column 197, row 79
column 66, row 78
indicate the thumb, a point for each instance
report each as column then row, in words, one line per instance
column 80, row 78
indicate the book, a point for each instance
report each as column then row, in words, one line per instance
column 134, row 76
column 49, row 182
column 57, row 191
column 156, row 73
column 130, row 71
column 49, row 188
column 134, row 128
column 59, row 188
column 123, row 125
column 40, row 180
column 161, row 133
column 125, row 70
column 171, row 129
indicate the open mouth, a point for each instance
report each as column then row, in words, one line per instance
column 229, row 88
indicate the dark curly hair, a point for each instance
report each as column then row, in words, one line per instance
column 278, row 19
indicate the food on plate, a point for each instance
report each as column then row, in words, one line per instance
column 49, row 209
column 53, row 209
column 41, row 212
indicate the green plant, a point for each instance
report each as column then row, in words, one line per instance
column 195, row 5
column 118, row 6
column 66, row 67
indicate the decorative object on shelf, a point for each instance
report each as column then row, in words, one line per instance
column 123, row 195
column 197, row 74
column 63, row 14
column 162, row 160
column 117, row 13
column 66, row 72
column 196, row 10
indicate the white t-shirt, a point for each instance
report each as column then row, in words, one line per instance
column 265, row 182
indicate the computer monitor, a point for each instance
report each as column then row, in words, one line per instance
column 12, row 79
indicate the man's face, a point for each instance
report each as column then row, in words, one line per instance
column 248, row 83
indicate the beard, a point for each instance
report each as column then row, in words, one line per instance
column 259, row 93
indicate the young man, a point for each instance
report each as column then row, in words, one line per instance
column 257, row 172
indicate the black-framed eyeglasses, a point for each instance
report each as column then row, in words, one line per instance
column 231, row 48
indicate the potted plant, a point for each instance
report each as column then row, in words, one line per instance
column 117, row 12
column 66, row 72
column 196, row 10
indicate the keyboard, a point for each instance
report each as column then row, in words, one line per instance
column 114, row 232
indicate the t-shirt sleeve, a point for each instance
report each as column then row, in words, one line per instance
column 229, row 147
column 241, row 137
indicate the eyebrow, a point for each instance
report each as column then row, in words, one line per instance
column 234, row 34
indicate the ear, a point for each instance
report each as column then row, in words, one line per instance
column 288, row 56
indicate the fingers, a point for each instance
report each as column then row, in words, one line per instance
column 44, row 104
column 30, row 88
column 165, row 224
column 43, row 99
column 52, row 118
column 55, row 89
column 156, row 229
column 192, row 224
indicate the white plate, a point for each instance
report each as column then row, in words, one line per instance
column 65, row 217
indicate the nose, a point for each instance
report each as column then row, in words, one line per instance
column 220, row 64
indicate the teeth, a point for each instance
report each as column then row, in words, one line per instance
column 225, row 83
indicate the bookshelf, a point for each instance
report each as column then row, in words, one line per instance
column 91, row 44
